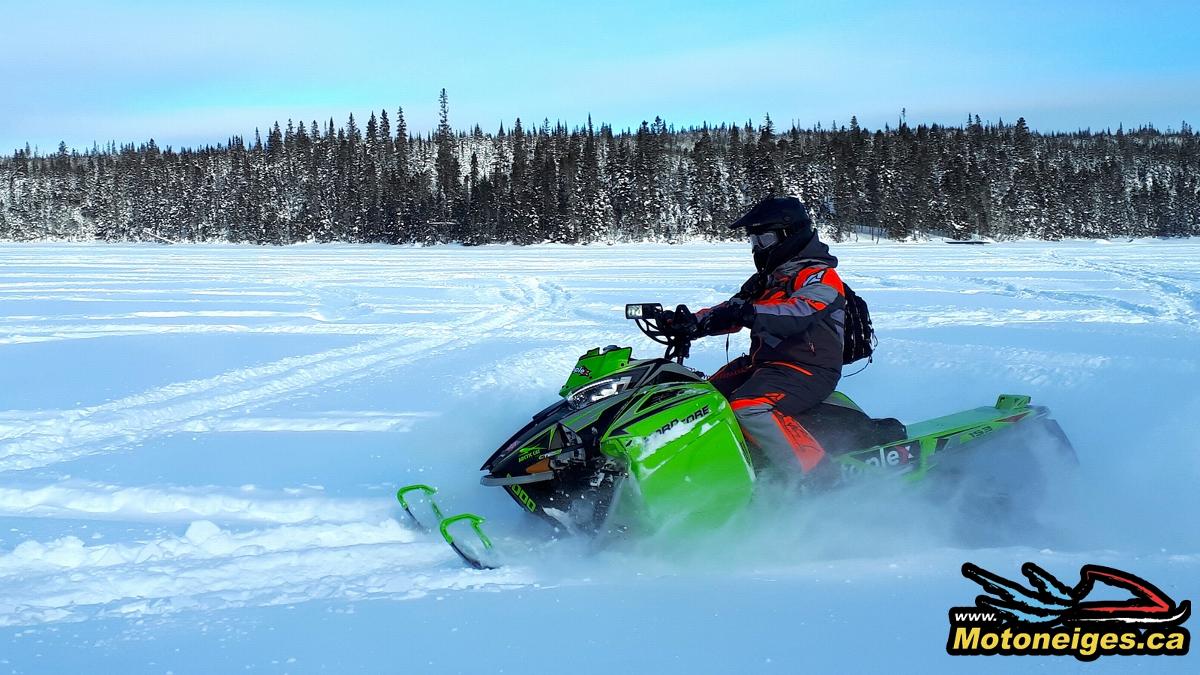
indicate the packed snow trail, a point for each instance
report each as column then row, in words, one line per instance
column 200, row 444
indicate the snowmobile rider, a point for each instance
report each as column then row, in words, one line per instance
column 793, row 307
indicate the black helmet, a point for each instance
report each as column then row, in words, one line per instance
column 775, row 221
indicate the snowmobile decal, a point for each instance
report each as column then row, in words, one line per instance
column 675, row 398
column 981, row 431
column 523, row 497
column 687, row 420
column 901, row 458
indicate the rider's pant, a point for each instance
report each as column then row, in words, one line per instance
column 766, row 398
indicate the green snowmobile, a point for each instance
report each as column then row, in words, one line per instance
column 649, row 445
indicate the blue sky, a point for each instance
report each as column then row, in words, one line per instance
column 196, row 72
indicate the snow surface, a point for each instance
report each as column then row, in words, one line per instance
column 199, row 448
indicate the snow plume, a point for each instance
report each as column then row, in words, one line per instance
column 1134, row 495
column 1004, row 492
column 1135, row 487
column 786, row 526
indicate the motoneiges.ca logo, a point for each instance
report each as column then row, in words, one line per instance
column 1047, row 617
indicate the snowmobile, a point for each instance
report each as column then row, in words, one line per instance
column 649, row 445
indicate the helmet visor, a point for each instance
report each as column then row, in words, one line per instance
column 763, row 240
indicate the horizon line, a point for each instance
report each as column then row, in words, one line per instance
column 36, row 150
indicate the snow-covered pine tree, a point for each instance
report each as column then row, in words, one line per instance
column 307, row 182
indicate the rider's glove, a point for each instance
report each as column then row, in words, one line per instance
column 729, row 315
column 680, row 322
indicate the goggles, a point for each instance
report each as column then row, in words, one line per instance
column 764, row 240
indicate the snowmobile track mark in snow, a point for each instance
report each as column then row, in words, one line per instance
column 120, row 423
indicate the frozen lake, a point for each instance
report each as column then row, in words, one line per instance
column 199, row 448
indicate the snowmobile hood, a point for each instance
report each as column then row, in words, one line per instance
column 596, row 364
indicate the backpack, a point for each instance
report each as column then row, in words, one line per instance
column 860, row 334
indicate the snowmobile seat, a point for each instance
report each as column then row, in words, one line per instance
column 842, row 428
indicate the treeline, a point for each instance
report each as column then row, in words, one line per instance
column 380, row 183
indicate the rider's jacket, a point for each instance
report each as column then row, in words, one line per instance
column 799, row 313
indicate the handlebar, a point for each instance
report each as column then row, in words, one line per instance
column 655, row 323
